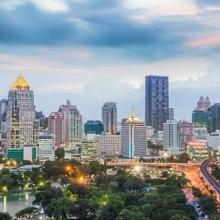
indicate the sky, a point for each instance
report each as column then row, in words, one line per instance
column 94, row 51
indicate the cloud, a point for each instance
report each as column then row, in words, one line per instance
column 62, row 88
column 212, row 41
column 54, row 6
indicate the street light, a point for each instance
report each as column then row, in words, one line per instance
column 137, row 169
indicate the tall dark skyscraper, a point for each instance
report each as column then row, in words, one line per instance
column 156, row 101
column 214, row 117
column 109, row 117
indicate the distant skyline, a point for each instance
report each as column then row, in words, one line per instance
column 92, row 52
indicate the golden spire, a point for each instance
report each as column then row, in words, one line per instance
column 20, row 83
column 133, row 113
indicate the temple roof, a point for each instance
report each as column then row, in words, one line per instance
column 133, row 119
column 20, row 83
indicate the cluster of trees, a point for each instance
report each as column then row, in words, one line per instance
column 216, row 171
column 121, row 196
column 207, row 204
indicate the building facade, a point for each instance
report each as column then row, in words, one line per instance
column 133, row 138
column 72, row 124
column 198, row 150
column 46, row 150
column 20, row 114
column 172, row 137
column 109, row 146
column 156, row 101
column 55, row 127
column 93, row 127
column 214, row 118
column 109, row 117
column 3, row 109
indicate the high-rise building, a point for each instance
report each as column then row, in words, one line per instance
column 20, row 114
column 187, row 131
column 156, row 101
column 200, row 133
column 46, row 149
column 200, row 113
column 133, row 138
column 172, row 137
column 109, row 117
column 171, row 113
column 109, row 146
column 72, row 124
column 3, row 108
column 214, row 118
column 93, row 127
column 55, row 127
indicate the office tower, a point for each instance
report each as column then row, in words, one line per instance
column 109, row 117
column 109, row 146
column 93, row 127
column 3, row 108
column 172, row 137
column 214, row 118
column 133, row 138
column 72, row 124
column 187, row 131
column 55, row 127
column 88, row 150
column 46, row 149
column 20, row 114
column 200, row 113
column 171, row 113
column 156, row 101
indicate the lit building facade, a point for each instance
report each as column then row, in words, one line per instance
column 109, row 117
column 20, row 114
column 133, row 138
column 156, row 101
column 109, row 146
column 187, row 131
column 198, row 150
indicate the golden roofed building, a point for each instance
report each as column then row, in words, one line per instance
column 20, row 83
column 133, row 119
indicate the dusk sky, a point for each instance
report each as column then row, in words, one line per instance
column 93, row 51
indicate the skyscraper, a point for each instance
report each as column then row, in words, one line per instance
column 172, row 137
column 156, row 101
column 133, row 138
column 55, row 127
column 93, row 127
column 109, row 117
column 20, row 114
column 3, row 108
column 214, row 118
column 200, row 113
column 72, row 124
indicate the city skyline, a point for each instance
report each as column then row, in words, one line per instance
column 66, row 54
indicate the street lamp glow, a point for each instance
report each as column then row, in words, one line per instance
column 137, row 168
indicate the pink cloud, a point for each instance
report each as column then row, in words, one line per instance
column 205, row 41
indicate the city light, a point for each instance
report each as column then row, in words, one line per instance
column 137, row 169
column 5, row 189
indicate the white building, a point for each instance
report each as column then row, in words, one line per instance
column 200, row 133
column 46, row 147
column 109, row 146
column 133, row 138
column 149, row 132
column 172, row 137
column 214, row 140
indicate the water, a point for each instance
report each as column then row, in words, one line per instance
column 16, row 202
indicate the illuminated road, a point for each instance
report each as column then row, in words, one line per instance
column 209, row 179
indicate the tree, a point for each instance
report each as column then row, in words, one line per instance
column 5, row 216
column 60, row 153
column 179, row 217
column 26, row 213
column 208, row 204
column 214, row 216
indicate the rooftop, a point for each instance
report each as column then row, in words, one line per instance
column 20, row 83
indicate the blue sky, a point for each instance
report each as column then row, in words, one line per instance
column 93, row 51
